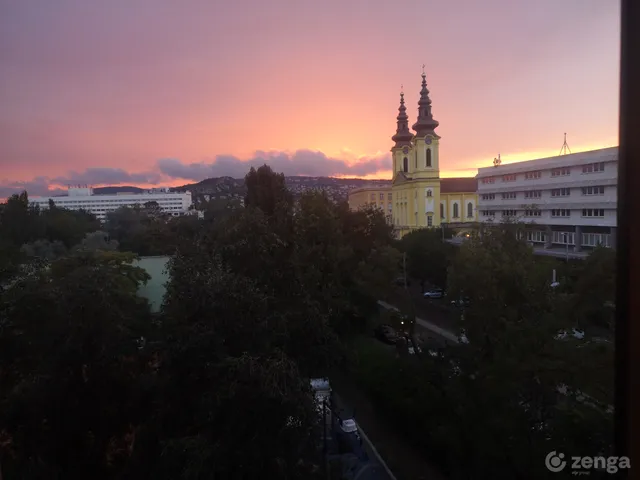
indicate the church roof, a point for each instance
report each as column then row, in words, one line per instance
column 458, row 185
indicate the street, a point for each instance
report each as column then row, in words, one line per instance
column 377, row 469
column 405, row 461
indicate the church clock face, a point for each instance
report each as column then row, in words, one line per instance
column 405, row 150
column 428, row 140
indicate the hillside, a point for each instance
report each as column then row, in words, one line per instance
column 228, row 188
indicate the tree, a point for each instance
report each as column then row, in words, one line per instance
column 514, row 365
column 427, row 256
column 98, row 241
column 345, row 259
column 267, row 191
column 67, row 226
column 70, row 361
column 593, row 296
column 19, row 222
column 44, row 249
column 144, row 231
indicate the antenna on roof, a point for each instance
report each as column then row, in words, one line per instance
column 497, row 161
column 565, row 147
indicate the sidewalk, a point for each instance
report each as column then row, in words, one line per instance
column 404, row 460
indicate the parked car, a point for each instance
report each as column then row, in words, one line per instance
column 386, row 333
column 434, row 293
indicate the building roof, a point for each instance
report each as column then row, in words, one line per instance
column 458, row 185
column 609, row 154
column 384, row 186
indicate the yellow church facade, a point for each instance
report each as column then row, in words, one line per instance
column 417, row 196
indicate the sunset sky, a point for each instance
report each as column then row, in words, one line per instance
column 164, row 92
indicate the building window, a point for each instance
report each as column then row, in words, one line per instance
column 470, row 210
column 532, row 175
column 429, row 221
column 560, row 192
column 509, row 195
column 382, row 196
column 488, row 196
column 390, row 196
column 405, row 164
column 593, row 167
column 456, row 212
column 509, row 178
column 565, row 238
column 593, row 212
column 532, row 213
column 441, row 210
column 429, row 194
column 533, row 194
column 428, row 157
column 596, row 239
column 509, row 213
column 373, row 197
column 560, row 172
column 488, row 180
column 488, row 213
column 560, row 212
column 536, row 236
column 599, row 190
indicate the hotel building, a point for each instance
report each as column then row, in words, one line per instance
column 83, row 198
column 569, row 200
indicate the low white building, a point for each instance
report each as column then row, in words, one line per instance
column 83, row 198
column 570, row 200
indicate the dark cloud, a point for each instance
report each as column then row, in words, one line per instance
column 39, row 186
column 107, row 176
column 302, row 162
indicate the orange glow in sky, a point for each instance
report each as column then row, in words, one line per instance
column 152, row 92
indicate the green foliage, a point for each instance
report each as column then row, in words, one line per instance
column 594, row 291
column 428, row 257
column 260, row 299
column 498, row 405
column 267, row 191
column 69, row 353
column 147, row 231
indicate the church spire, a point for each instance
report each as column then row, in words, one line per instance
column 426, row 123
column 403, row 136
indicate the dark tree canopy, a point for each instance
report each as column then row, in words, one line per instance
column 261, row 298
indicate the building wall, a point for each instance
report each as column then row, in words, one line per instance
column 575, row 194
column 375, row 196
column 171, row 203
column 462, row 199
column 155, row 288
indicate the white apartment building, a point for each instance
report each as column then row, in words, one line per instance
column 83, row 198
column 570, row 200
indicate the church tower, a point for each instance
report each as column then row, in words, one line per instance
column 402, row 149
column 416, row 168
column 426, row 140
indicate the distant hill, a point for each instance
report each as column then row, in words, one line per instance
column 228, row 188
column 118, row 189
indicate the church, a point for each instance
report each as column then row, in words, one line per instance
column 418, row 197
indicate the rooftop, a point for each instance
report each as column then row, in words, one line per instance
column 458, row 185
column 609, row 154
